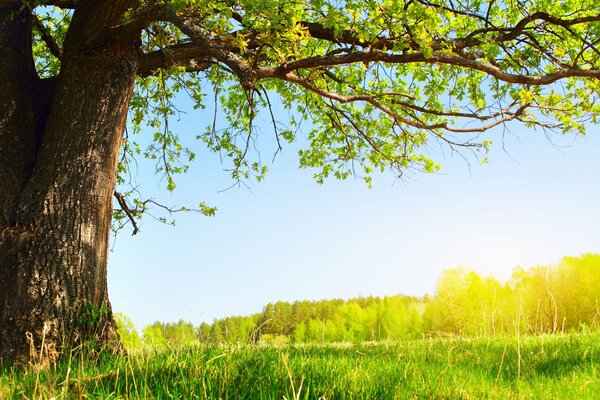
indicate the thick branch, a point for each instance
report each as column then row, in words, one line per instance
column 205, row 48
column 202, row 41
column 188, row 55
column 68, row 4
column 419, row 57
column 497, row 73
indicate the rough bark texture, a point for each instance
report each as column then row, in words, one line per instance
column 56, row 196
column 16, row 106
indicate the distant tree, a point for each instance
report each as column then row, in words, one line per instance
column 154, row 336
column 500, row 308
column 217, row 335
column 467, row 304
column 398, row 319
column 579, row 291
column 538, row 309
column 542, row 299
column 444, row 312
column 239, row 329
column 315, row 331
column 377, row 81
column 129, row 336
column 300, row 335
column 179, row 333
column 204, row 333
column 560, row 297
column 282, row 322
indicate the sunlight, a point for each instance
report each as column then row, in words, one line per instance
column 500, row 255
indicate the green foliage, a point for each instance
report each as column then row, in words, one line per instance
column 367, row 86
column 56, row 23
column 92, row 321
column 544, row 367
column 153, row 336
column 552, row 299
column 129, row 336
column 92, row 317
column 326, row 321
column 207, row 210
column 545, row 299
column 169, row 335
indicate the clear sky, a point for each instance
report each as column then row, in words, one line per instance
column 288, row 238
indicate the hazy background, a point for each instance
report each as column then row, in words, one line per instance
column 288, row 238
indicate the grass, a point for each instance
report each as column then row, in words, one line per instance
column 544, row 367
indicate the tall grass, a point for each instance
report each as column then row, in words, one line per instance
column 544, row 367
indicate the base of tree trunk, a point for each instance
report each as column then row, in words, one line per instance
column 93, row 334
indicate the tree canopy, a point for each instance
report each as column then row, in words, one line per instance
column 372, row 83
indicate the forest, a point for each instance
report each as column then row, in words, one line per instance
column 543, row 299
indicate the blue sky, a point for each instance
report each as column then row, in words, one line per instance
column 288, row 238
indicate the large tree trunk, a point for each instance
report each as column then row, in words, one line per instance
column 56, row 198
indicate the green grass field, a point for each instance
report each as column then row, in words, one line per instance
column 545, row 367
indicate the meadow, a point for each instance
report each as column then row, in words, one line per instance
column 562, row 366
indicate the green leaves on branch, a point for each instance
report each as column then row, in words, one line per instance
column 207, row 210
column 364, row 86
column 373, row 83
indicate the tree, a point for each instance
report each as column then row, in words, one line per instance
column 578, row 291
column 154, row 336
column 444, row 313
column 378, row 80
column 129, row 336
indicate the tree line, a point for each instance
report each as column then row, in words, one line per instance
column 543, row 299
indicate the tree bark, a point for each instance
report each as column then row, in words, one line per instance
column 56, row 197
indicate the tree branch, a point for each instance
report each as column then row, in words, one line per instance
column 54, row 48
column 435, row 58
column 188, row 55
column 388, row 111
column 68, row 4
column 205, row 49
column 130, row 214
column 201, row 41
